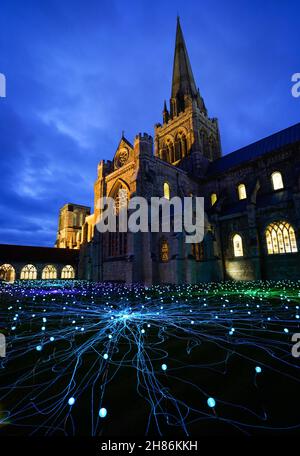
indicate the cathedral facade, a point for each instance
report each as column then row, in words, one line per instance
column 252, row 199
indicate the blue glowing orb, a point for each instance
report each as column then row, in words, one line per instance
column 211, row 402
column 258, row 369
column 102, row 412
column 164, row 367
column 71, row 401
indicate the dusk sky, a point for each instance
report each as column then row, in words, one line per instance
column 79, row 72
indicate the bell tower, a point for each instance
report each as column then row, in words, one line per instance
column 186, row 129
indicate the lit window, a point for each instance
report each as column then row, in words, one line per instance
column 29, row 272
column 242, row 192
column 213, row 198
column 280, row 238
column 237, row 246
column 68, row 272
column 167, row 190
column 49, row 272
column 164, row 251
column 7, row 273
column 277, row 180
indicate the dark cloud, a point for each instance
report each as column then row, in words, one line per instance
column 78, row 73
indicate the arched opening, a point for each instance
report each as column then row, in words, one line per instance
column 49, row 272
column 164, row 251
column 166, row 190
column 68, row 272
column 281, row 238
column 277, row 180
column 237, row 245
column 7, row 273
column 28, row 272
column 115, row 243
column 242, row 193
column 170, row 150
column 180, row 146
column 213, row 198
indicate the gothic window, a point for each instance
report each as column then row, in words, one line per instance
column 213, row 198
column 164, row 251
column 166, row 190
column 170, row 149
column 198, row 251
column 180, row 146
column 68, row 272
column 29, row 272
column 7, row 273
column 242, row 192
column 277, row 180
column 237, row 245
column 115, row 243
column 280, row 238
column 49, row 272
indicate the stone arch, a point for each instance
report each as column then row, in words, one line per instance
column 49, row 272
column 28, row 272
column 68, row 272
column 7, row 273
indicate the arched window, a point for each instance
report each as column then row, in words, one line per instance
column 164, row 250
column 280, row 238
column 277, row 180
column 242, row 192
column 180, row 146
column 68, row 272
column 115, row 243
column 49, row 272
column 29, row 272
column 170, row 149
column 166, row 190
column 213, row 198
column 7, row 273
column 237, row 245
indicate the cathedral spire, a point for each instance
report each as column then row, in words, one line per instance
column 183, row 82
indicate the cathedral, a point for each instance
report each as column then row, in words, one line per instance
column 252, row 202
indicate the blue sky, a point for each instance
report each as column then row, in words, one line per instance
column 79, row 72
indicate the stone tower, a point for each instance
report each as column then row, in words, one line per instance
column 188, row 138
column 71, row 220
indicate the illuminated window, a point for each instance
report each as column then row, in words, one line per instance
column 7, row 273
column 49, row 272
column 29, row 272
column 68, row 272
column 237, row 245
column 213, row 198
column 115, row 243
column 277, row 180
column 242, row 192
column 167, row 190
column 280, row 238
column 164, row 251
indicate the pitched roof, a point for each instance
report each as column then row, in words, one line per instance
column 263, row 146
column 26, row 253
